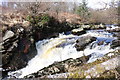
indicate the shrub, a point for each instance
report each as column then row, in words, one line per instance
column 38, row 20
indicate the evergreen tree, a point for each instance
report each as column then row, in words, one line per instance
column 83, row 10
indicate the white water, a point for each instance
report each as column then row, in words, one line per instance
column 61, row 48
column 111, row 27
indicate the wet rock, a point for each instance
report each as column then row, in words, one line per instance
column 103, row 69
column 59, row 67
column 82, row 28
column 114, row 30
column 100, row 42
column 117, row 35
column 86, row 27
column 82, row 42
column 78, row 31
column 17, row 50
column 97, row 69
column 101, row 26
column 115, row 43
column 91, row 26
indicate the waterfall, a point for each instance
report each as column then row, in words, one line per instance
column 62, row 48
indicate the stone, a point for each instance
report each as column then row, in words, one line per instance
column 8, row 34
column 101, row 43
column 105, row 69
column 87, row 27
column 116, row 29
column 102, row 26
column 115, row 43
column 78, row 31
column 82, row 42
column 59, row 67
column 117, row 35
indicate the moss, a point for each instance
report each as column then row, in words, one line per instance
column 108, row 74
column 100, row 69
column 79, row 72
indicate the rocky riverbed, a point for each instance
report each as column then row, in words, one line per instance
column 72, row 54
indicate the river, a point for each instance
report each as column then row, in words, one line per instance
column 62, row 48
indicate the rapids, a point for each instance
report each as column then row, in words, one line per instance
column 62, row 48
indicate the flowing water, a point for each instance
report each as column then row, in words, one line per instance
column 62, row 48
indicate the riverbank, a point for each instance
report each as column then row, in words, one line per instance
column 19, row 42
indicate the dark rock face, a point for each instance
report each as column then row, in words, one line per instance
column 115, row 43
column 59, row 67
column 17, row 50
column 82, row 42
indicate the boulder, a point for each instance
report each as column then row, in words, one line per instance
column 60, row 67
column 115, row 43
column 78, row 31
column 116, row 29
column 100, row 42
column 105, row 67
column 82, row 42
column 86, row 27
column 99, row 71
column 91, row 26
column 117, row 35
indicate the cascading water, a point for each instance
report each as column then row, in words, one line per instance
column 62, row 48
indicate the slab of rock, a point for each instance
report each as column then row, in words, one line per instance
column 59, row 67
column 101, row 26
column 115, row 43
column 91, row 26
column 82, row 42
column 94, row 72
column 78, row 31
